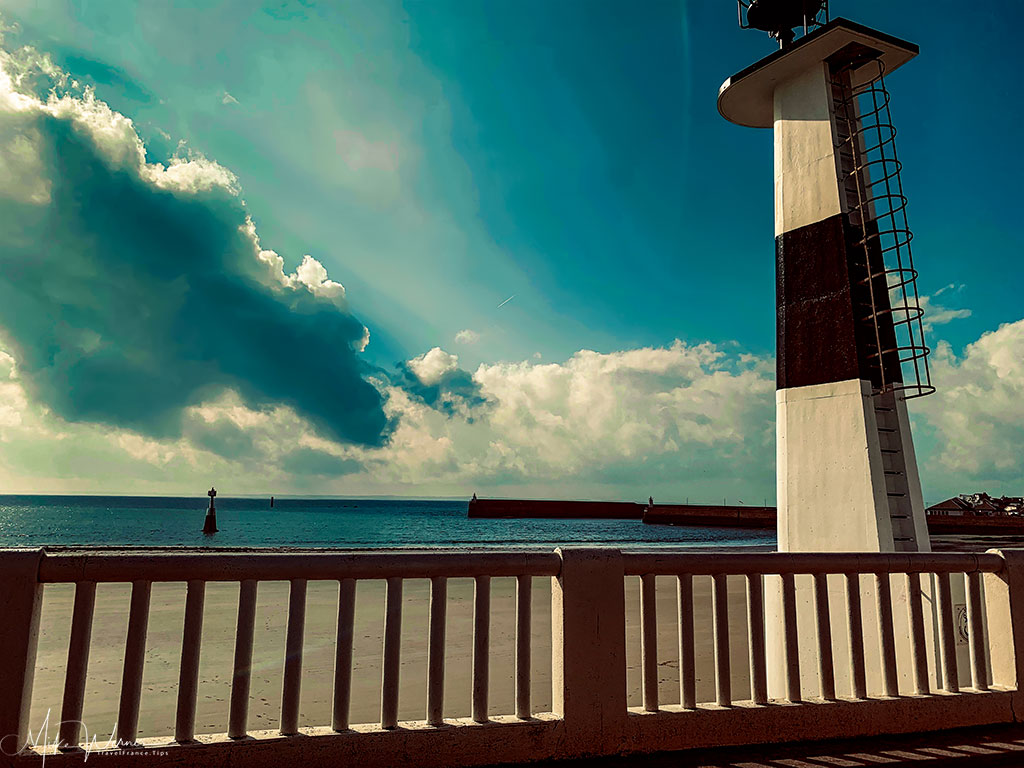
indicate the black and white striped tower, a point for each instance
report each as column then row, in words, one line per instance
column 850, row 347
column 848, row 318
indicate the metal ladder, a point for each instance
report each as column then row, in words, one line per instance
column 894, row 465
column 871, row 214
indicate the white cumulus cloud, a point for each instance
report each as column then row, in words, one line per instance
column 977, row 412
column 681, row 417
column 431, row 366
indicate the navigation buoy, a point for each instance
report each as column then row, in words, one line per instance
column 210, row 526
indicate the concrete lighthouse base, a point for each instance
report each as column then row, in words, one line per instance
column 833, row 497
column 831, row 489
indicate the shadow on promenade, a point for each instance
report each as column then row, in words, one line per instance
column 966, row 747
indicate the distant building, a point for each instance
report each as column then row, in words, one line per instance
column 954, row 506
column 980, row 504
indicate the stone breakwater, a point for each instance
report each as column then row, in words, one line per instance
column 708, row 515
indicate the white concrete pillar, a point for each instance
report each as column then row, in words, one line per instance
column 1004, row 600
column 831, row 489
column 588, row 650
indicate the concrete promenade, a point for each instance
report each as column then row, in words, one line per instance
column 955, row 748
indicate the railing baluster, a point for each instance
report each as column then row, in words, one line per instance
column 886, row 636
column 343, row 654
column 855, row 625
column 188, row 676
column 292, row 687
column 720, row 624
column 649, row 643
column 755, row 621
column 976, row 633
column 917, row 646
column 947, row 648
column 524, row 592
column 823, row 621
column 21, row 602
column 78, row 664
column 435, row 650
column 687, row 672
column 789, row 631
column 392, row 654
column 481, row 646
column 134, row 661
column 239, row 711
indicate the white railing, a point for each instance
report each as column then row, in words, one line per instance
column 589, row 714
column 754, row 568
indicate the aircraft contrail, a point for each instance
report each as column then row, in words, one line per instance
column 506, row 301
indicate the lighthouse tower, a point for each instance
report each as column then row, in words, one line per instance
column 850, row 344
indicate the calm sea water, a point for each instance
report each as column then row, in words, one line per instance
column 344, row 523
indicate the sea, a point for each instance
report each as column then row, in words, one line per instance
column 403, row 524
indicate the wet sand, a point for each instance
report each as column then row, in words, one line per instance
column 164, row 650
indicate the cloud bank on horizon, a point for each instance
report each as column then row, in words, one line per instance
column 145, row 332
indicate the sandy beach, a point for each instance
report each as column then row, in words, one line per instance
column 164, row 649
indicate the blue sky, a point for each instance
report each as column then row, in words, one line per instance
column 437, row 158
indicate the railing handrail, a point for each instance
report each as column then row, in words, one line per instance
column 69, row 567
column 155, row 565
column 743, row 563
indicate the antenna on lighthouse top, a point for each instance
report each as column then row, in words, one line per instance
column 780, row 17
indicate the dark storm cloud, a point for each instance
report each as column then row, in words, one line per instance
column 124, row 303
column 309, row 461
column 454, row 392
column 223, row 438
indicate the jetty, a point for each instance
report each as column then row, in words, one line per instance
column 765, row 517
column 708, row 515
column 717, row 515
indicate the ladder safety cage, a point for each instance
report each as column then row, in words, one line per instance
column 881, row 257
